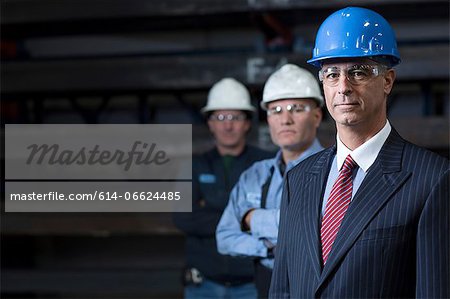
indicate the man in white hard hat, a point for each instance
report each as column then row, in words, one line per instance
column 249, row 224
column 209, row 274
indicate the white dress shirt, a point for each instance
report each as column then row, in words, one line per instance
column 364, row 155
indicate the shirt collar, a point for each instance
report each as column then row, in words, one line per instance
column 365, row 154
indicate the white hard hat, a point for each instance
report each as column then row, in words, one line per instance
column 291, row 82
column 228, row 94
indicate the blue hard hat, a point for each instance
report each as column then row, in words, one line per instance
column 355, row 32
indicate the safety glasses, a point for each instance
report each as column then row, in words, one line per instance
column 294, row 109
column 357, row 74
column 227, row 117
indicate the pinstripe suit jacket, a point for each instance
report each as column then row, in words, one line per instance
column 393, row 241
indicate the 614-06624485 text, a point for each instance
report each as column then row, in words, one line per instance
column 145, row 195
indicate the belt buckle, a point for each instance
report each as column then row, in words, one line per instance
column 193, row 275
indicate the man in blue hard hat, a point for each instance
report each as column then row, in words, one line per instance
column 369, row 216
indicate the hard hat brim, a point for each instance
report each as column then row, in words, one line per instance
column 207, row 109
column 263, row 104
column 318, row 61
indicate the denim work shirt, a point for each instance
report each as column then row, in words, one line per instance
column 246, row 195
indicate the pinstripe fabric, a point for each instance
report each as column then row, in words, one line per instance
column 393, row 241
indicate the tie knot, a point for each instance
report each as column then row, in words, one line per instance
column 349, row 163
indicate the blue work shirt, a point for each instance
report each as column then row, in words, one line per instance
column 246, row 195
column 211, row 188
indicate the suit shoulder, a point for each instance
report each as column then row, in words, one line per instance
column 414, row 158
column 311, row 163
column 418, row 157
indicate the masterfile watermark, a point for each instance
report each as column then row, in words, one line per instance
column 98, row 168
column 141, row 153
column 161, row 152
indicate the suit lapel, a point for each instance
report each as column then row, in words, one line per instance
column 316, row 178
column 382, row 180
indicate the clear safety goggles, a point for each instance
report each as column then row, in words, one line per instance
column 228, row 117
column 292, row 108
column 357, row 74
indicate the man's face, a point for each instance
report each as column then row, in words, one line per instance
column 295, row 129
column 356, row 92
column 229, row 127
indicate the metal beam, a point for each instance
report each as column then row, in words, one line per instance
column 189, row 72
column 28, row 18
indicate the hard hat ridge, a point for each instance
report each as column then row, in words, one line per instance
column 291, row 82
column 228, row 94
column 355, row 32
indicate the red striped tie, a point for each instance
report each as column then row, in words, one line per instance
column 337, row 205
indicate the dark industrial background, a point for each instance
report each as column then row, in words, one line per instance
column 147, row 61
